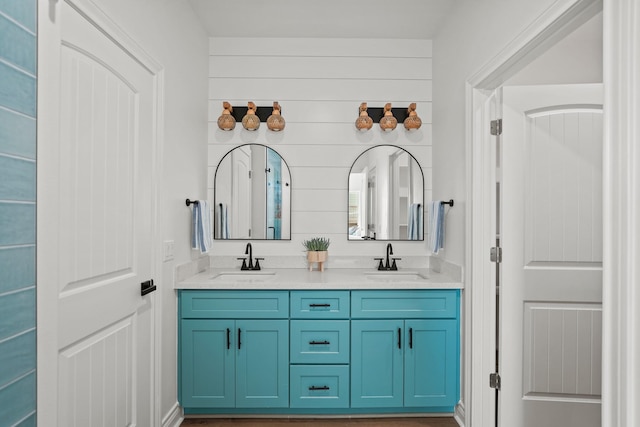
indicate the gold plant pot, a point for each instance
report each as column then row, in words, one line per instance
column 317, row 257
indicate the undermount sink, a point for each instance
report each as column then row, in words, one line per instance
column 244, row 276
column 396, row 276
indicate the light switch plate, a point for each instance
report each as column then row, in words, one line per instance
column 167, row 250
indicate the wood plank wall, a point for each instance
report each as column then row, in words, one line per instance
column 18, row 82
column 320, row 84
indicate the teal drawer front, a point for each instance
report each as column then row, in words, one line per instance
column 320, row 304
column 319, row 386
column 404, row 304
column 319, row 341
column 234, row 304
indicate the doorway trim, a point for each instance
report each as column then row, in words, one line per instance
column 621, row 330
column 560, row 19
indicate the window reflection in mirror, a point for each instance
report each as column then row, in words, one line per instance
column 386, row 196
column 252, row 195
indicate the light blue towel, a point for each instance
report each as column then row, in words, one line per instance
column 436, row 226
column 201, row 237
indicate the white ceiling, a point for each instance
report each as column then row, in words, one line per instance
column 395, row 19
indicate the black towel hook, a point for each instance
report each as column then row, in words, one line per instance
column 450, row 202
column 191, row 202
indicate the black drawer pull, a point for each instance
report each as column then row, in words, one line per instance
column 399, row 338
column 319, row 305
column 314, row 388
column 319, row 342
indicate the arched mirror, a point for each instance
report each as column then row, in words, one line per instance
column 252, row 195
column 386, row 196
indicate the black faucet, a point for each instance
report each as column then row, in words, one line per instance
column 388, row 266
column 249, row 251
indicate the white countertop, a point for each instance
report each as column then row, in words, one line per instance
column 295, row 279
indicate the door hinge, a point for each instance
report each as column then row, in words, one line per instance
column 496, row 254
column 496, row 127
column 494, row 381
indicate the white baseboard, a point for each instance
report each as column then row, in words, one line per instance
column 174, row 417
column 458, row 414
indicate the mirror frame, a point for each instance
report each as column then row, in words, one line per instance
column 215, row 212
column 397, row 147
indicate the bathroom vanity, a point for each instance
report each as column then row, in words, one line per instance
column 344, row 341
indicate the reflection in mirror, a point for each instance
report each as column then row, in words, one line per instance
column 386, row 196
column 252, row 195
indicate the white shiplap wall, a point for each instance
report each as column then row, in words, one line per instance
column 320, row 84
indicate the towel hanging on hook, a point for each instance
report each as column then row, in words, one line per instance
column 201, row 227
column 436, row 226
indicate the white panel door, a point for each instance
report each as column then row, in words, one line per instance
column 103, row 228
column 551, row 234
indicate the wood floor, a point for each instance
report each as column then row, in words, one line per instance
column 307, row 422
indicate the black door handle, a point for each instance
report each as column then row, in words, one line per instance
column 399, row 337
column 228, row 338
column 239, row 343
column 147, row 287
column 410, row 337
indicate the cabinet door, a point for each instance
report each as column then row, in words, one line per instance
column 431, row 363
column 376, row 363
column 207, row 363
column 262, row 371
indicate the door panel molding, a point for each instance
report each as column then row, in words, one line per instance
column 98, row 372
column 557, row 369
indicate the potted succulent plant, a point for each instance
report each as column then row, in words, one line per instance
column 317, row 251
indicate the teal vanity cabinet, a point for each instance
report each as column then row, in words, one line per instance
column 404, row 349
column 339, row 352
column 234, row 349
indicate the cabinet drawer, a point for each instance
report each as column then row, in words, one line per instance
column 235, row 304
column 320, row 304
column 319, row 341
column 319, row 386
column 405, row 304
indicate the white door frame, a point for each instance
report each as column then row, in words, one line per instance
column 48, row 197
column 557, row 21
column 621, row 276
